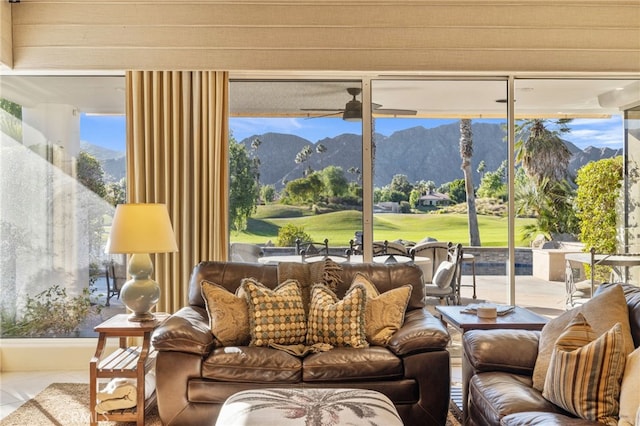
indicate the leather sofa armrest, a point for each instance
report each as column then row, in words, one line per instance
column 421, row 332
column 185, row 331
column 513, row 351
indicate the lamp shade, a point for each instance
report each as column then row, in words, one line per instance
column 141, row 228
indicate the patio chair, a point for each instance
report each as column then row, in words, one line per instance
column 437, row 251
column 116, row 276
column 446, row 278
column 244, row 252
column 310, row 249
column 578, row 288
column 392, row 251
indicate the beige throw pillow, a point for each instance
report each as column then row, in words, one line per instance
column 630, row 391
column 602, row 312
column 584, row 379
column 275, row 316
column 384, row 313
column 444, row 274
column 228, row 314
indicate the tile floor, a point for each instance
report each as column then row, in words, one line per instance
column 543, row 297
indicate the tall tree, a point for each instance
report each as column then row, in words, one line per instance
column 335, row 183
column 302, row 157
column 400, row 183
column 243, row 186
column 541, row 151
column 91, row 174
column 320, row 149
column 466, row 152
column 545, row 160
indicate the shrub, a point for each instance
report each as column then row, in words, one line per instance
column 288, row 234
column 51, row 313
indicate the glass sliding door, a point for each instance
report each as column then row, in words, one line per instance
column 440, row 167
column 570, row 147
column 296, row 166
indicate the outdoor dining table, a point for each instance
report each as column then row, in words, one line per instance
column 616, row 261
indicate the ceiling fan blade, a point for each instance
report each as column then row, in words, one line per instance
column 331, row 114
column 336, row 110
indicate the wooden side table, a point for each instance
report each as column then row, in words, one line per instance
column 126, row 361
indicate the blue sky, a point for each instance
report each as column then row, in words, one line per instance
column 109, row 131
column 585, row 132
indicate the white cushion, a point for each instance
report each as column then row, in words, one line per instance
column 630, row 391
column 444, row 274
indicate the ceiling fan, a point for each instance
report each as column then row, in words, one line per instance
column 352, row 111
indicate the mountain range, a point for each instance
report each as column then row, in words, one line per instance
column 419, row 153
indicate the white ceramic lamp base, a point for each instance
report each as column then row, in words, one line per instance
column 140, row 294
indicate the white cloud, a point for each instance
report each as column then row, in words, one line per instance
column 597, row 132
column 245, row 127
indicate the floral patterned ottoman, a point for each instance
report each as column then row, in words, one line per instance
column 308, row 407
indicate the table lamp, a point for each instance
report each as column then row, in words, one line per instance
column 140, row 229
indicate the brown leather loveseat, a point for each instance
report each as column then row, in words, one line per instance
column 499, row 367
column 195, row 375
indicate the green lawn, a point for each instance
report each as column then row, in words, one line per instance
column 339, row 227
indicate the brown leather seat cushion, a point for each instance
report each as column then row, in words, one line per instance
column 496, row 394
column 537, row 418
column 341, row 364
column 253, row 365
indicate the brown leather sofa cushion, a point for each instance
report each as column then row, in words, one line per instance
column 536, row 418
column 495, row 395
column 345, row 364
column 253, row 365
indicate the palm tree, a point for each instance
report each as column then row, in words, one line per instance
column 543, row 153
column 545, row 159
column 466, row 152
column 320, row 149
column 302, row 157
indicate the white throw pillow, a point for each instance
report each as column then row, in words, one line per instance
column 630, row 391
column 444, row 274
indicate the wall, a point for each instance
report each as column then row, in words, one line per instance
column 417, row 35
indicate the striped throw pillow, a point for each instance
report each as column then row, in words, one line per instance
column 584, row 373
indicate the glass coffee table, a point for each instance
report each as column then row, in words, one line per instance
column 519, row 318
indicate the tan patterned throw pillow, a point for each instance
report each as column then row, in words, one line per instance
column 586, row 380
column 384, row 313
column 275, row 316
column 228, row 314
column 337, row 322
